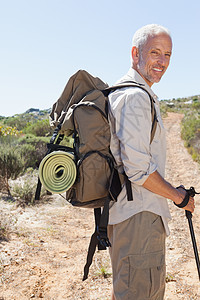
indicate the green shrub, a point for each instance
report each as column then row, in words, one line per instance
column 32, row 139
column 190, row 132
column 16, row 121
column 163, row 109
column 196, row 105
column 189, row 126
column 29, row 149
column 7, row 225
column 39, row 128
column 195, row 156
column 25, row 191
column 29, row 156
column 11, row 164
column 25, row 187
column 32, row 149
column 8, row 140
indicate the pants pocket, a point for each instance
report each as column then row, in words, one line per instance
column 147, row 276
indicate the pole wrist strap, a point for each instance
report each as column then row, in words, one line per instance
column 185, row 200
column 189, row 193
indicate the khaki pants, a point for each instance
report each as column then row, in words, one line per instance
column 138, row 257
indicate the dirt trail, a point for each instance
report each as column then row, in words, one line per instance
column 181, row 169
column 45, row 255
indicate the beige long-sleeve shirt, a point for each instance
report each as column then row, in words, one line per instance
column 131, row 123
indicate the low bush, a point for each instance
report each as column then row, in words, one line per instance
column 190, row 133
column 39, row 128
column 24, row 192
column 25, row 187
column 7, row 224
column 17, row 121
column 32, row 149
column 189, row 126
column 11, row 164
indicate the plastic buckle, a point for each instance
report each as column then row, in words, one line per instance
column 103, row 239
column 104, row 242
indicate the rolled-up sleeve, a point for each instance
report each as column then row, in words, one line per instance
column 131, row 125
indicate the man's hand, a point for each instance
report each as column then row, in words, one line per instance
column 181, row 195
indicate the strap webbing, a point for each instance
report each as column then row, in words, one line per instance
column 102, row 229
column 99, row 236
column 93, row 243
column 128, row 188
column 125, row 84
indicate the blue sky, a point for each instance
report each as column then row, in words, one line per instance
column 43, row 42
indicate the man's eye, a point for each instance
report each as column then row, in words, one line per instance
column 154, row 52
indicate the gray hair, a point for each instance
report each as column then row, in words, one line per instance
column 141, row 35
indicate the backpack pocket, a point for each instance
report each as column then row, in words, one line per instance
column 93, row 176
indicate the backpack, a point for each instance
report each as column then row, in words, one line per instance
column 81, row 113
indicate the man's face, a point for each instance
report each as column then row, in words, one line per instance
column 154, row 58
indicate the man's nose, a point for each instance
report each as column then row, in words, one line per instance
column 162, row 60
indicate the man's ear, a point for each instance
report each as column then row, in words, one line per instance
column 135, row 55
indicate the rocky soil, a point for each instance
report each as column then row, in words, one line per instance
column 44, row 255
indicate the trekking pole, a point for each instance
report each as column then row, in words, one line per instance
column 189, row 217
column 191, row 193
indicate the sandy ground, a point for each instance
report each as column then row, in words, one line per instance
column 45, row 254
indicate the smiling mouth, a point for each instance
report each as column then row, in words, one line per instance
column 158, row 70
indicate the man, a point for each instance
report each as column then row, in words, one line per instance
column 137, row 229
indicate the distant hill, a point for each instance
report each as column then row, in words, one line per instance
column 38, row 112
column 31, row 111
column 31, row 116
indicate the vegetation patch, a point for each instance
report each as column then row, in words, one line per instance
column 7, row 225
column 190, row 126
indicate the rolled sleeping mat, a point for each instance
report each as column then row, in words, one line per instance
column 57, row 171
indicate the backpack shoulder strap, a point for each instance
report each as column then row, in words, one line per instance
column 124, row 84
